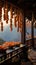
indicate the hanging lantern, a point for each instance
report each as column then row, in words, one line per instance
column 0, row 10
column 10, row 25
column 1, row 26
column 6, row 11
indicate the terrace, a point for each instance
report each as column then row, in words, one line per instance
column 18, row 31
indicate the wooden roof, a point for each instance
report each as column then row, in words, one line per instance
column 26, row 5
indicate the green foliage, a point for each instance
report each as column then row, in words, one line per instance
column 1, row 41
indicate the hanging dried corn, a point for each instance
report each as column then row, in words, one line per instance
column 21, row 27
column 20, row 30
column 11, row 12
column 18, row 22
column 1, row 26
column 10, row 27
column 15, row 22
column 15, row 15
column 6, row 11
column 11, row 16
column 0, row 10
column 10, row 24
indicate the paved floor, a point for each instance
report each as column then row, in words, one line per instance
column 28, row 63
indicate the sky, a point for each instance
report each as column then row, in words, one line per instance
column 28, row 29
column 13, row 35
column 8, row 35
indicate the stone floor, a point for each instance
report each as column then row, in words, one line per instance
column 28, row 63
column 20, row 63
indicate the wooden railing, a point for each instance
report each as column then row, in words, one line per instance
column 29, row 42
column 10, row 53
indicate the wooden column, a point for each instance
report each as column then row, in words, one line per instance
column 24, row 28
column 32, row 30
column 22, row 33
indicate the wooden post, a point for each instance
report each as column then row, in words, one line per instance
column 32, row 30
column 24, row 28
